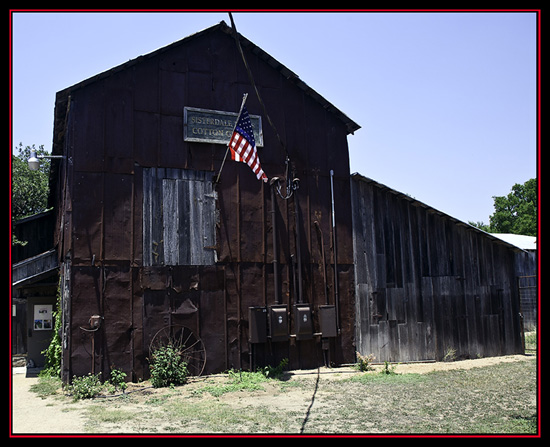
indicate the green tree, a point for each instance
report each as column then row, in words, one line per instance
column 29, row 189
column 516, row 212
column 481, row 225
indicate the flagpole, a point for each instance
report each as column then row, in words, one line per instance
column 234, row 126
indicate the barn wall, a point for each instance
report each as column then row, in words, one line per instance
column 426, row 284
column 526, row 271
column 122, row 133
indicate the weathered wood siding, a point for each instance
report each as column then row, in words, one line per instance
column 35, row 267
column 428, row 285
column 37, row 231
column 179, row 217
column 526, row 269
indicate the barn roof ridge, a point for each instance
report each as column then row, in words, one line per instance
column 416, row 202
column 351, row 125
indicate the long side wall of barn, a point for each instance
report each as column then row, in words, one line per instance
column 427, row 285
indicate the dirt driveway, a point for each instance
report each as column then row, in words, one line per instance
column 31, row 414
column 333, row 400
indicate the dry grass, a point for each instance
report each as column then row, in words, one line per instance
column 499, row 398
column 495, row 395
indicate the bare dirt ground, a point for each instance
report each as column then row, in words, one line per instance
column 314, row 401
column 31, row 414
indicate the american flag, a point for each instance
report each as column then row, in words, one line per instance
column 243, row 145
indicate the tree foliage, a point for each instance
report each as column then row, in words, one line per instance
column 515, row 213
column 29, row 189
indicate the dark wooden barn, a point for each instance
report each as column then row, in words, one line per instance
column 430, row 286
column 148, row 241
column 310, row 266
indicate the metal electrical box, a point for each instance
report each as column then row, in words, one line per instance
column 257, row 321
column 327, row 321
column 278, row 319
column 303, row 323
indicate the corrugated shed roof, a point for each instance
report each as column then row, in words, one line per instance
column 519, row 240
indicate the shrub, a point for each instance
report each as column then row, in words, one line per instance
column 274, row 372
column 90, row 386
column 117, row 379
column 363, row 361
column 167, row 367
column 85, row 387
column 450, row 355
column 388, row 369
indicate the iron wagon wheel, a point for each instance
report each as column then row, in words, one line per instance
column 190, row 346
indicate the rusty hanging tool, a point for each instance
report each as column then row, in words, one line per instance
column 323, row 260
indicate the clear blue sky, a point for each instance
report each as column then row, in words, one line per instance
column 447, row 101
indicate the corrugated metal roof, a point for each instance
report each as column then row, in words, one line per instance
column 519, row 240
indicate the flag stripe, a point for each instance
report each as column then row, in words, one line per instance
column 243, row 145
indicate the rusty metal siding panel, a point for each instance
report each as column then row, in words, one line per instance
column 171, row 136
column 87, row 216
column 212, row 318
column 117, row 217
column 191, row 296
column 85, row 301
column 88, row 128
column 172, row 93
column 146, row 137
column 119, row 123
column 117, row 325
column 146, row 87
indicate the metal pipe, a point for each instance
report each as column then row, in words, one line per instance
column 335, row 253
column 93, row 353
column 293, row 270
column 298, row 244
column 277, row 293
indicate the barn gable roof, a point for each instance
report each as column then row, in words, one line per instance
column 351, row 126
